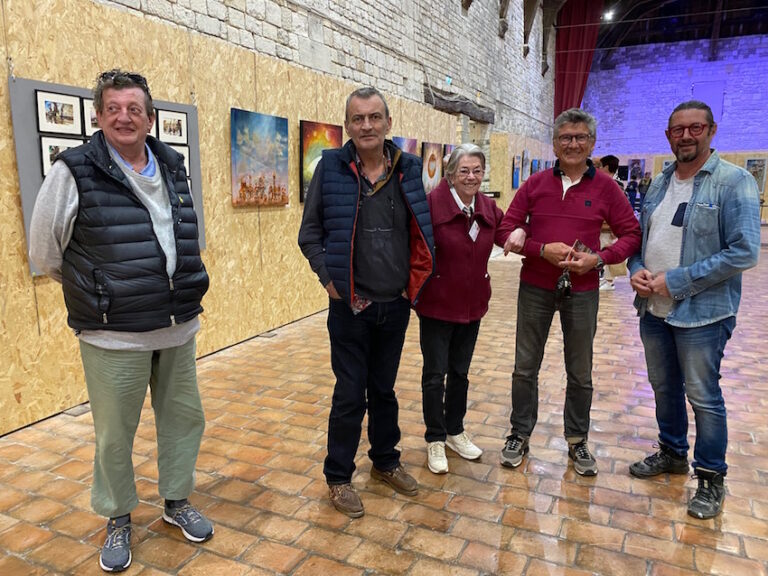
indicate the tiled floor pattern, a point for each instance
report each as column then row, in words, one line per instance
column 260, row 470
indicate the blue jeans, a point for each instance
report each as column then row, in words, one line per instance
column 578, row 321
column 686, row 361
column 365, row 356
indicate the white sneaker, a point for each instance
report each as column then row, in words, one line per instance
column 463, row 446
column 436, row 460
column 607, row 286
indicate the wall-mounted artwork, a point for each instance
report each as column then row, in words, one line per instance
column 314, row 138
column 516, row 172
column 410, row 145
column 51, row 147
column 757, row 167
column 259, row 159
column 90, row 123
column 58, row 113
column 432, row 170
column 636, row 168
column 184, row 151
column 447, row 149
column 667, row 163
column 172, row 127
column 525, row 167
column 534, row 165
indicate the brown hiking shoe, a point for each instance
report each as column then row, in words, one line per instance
column 398, row 479
column 345, row 500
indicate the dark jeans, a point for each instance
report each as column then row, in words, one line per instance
column 686, row 361
column 365, row 355
column 447, row 349
column 578, row 321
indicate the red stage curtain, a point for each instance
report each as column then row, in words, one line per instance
column 578, row 24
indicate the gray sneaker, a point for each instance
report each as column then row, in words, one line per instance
column 116, row 552
column 514, row 449
column 194, row 526
column 583, row 462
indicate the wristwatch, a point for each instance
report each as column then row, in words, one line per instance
column 600, row 264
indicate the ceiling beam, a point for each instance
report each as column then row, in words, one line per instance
column 716, row 31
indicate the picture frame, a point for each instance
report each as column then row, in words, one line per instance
column 52, row 146
column 757, row 167
column 90, row 123
column 58, row 113
column 314, row 137
column 172, row 127
column 409, row 145
column 184, row 151
column 432, row 165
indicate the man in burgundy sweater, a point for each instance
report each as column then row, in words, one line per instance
column 557, row 209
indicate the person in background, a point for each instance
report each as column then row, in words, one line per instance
column 610, row 165
column 367, row 234
column 557, row 209
column 701, row 230
column 114, row 223
column 465, row 226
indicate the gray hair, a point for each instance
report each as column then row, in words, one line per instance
column 575, row 116
column 466, row 149
column 120, row 80
column 365, row 93
column 693, row 105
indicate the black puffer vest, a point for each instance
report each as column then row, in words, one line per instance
column 113, row 273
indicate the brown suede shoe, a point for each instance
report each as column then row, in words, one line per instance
column 345, row 500
column 398, row 479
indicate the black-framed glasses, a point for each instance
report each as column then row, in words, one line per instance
column 695, row 129
column 565, row 139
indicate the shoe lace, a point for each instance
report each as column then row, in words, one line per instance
column 581, row 451
column 515, row 444
column 341, row 490
column 187, row 513
column 462, row 439
column 704, row 492
column 118, row 538
column 436, row 450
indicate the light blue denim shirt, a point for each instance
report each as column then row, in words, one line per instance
column 721, row 239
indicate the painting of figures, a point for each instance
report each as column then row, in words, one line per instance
column 432, row 171
column 259, row 145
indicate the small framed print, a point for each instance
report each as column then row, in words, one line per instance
column 172, row 127
column 58, row 113
column 90, row 123
column 184, row 151
column 51, row 147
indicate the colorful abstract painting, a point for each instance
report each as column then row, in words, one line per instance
column 432, row 171
column 525, row 168
column 447, row 149
column 315, row 137
column 410, row 145
column 516, row 172
column 259, row 159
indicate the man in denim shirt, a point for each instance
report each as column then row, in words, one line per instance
column 701, row 230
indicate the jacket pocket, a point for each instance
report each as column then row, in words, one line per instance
column 705, row 219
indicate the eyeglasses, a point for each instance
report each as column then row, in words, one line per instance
column 695, row 129
column 464, row 172
column 565, row 139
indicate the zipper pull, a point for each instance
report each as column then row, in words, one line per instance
column 170, row 280
column 104, row 318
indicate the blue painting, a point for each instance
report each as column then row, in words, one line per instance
column 259, row 159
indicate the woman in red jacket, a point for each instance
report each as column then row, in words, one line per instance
column 465, row 226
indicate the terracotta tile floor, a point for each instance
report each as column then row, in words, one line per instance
column 260, row 470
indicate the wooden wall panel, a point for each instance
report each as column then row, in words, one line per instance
column 259, row 279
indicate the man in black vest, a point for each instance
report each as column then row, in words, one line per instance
column 114, row 223
column 367, row 235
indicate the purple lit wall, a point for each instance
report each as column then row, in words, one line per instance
column 633, row 92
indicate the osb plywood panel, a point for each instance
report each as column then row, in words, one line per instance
column 259, row 279
column 500, row 163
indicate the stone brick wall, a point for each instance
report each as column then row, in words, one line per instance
column 392, row 44
column 633, row 92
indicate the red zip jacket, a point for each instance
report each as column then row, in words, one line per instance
column 460, row 287
column 540, row 207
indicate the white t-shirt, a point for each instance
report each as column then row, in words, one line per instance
column 665, row 238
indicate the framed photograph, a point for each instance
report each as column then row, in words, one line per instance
column 184, row 151
column 259, row 149
column 172, row 127
column 90, row 123
column 314, row 138
column 58, row 113
column 432, row 165
column 757, row 167
column 51, row 147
